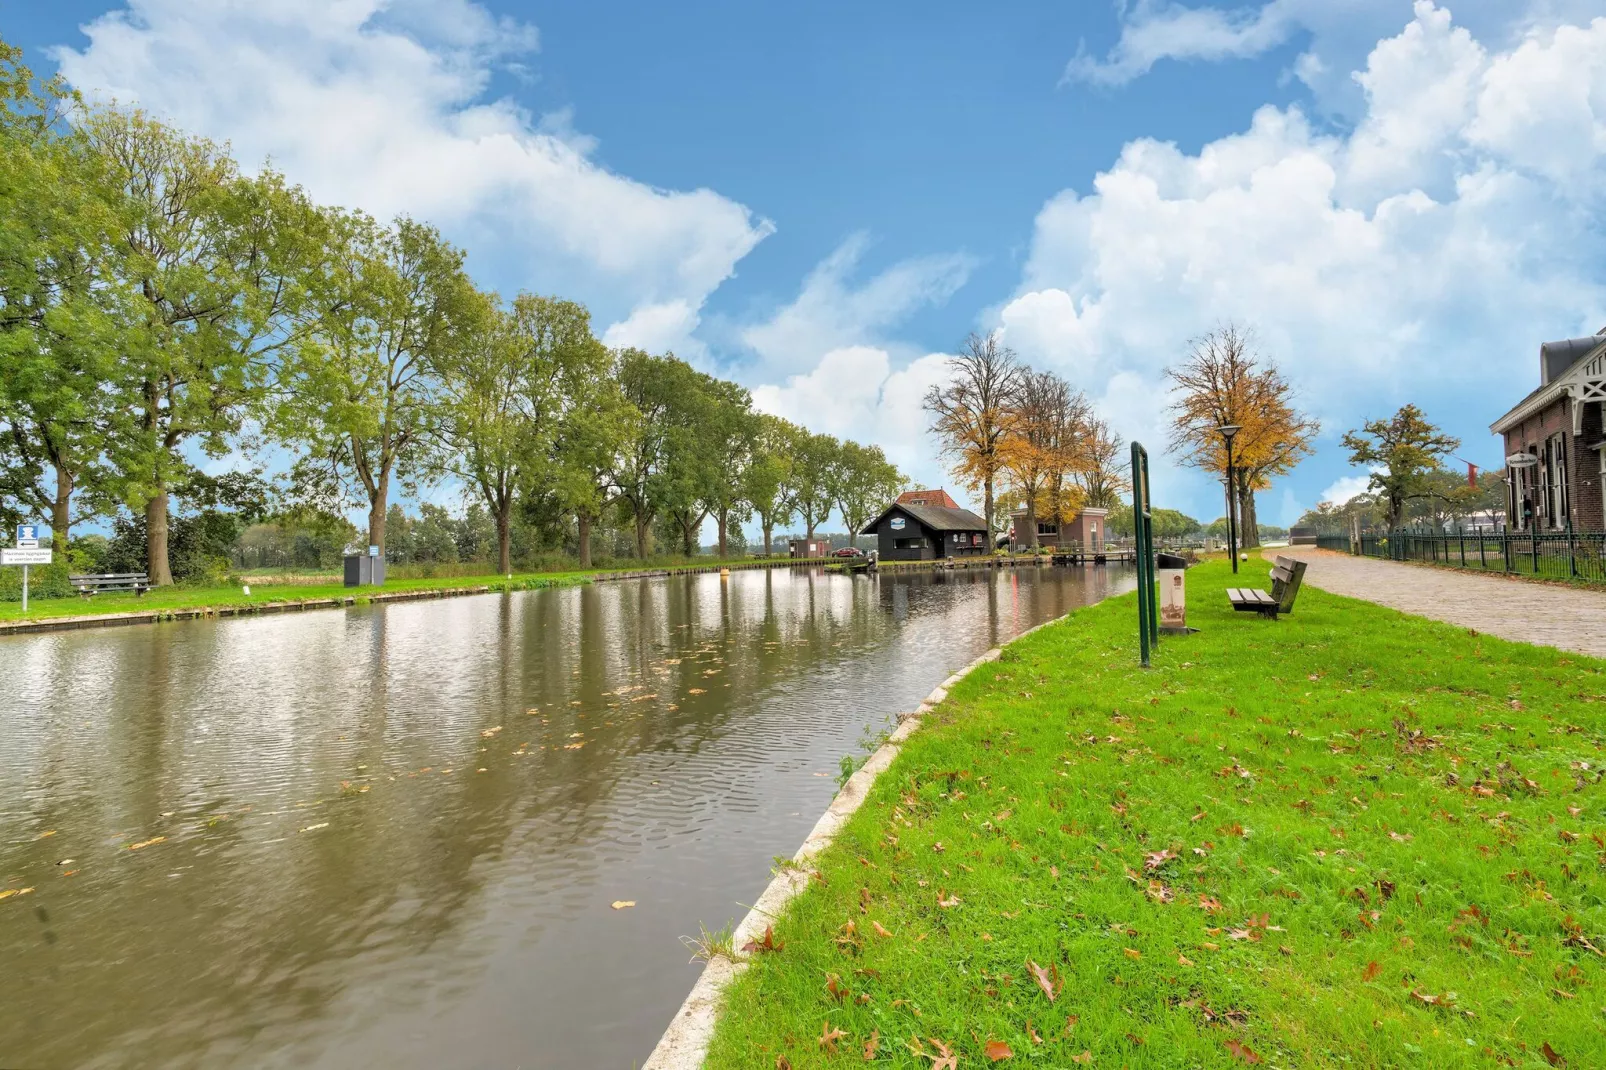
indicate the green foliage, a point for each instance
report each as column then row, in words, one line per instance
column 1403, row 452
column 1345, row 837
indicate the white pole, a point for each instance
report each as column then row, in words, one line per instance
column 24, row 590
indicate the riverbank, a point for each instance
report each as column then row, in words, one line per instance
column 1346, row 836
column 182, row 603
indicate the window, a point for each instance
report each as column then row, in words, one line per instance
column 1557, row 505
column 1047, row 528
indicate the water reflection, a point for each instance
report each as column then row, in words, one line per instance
column 390, row 836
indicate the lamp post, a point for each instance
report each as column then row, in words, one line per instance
column 1228, row 431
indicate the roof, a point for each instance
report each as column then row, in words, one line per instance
column 927, row 497
column 1556, row 361
column 934, row 517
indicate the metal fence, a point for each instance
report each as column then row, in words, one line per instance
column 1558, row 555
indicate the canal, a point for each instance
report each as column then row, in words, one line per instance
column 392, row 836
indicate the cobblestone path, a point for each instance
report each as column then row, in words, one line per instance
column 1527, row 612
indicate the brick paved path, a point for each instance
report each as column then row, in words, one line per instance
column 1527, row 612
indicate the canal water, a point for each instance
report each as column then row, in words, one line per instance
column 392, row 836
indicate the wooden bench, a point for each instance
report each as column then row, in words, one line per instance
column 89, row 586
column 1286, row 578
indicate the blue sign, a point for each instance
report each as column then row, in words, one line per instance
column 373, row 551
column 897, row 523
column 28, row 534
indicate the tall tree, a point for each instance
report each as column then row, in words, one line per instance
column 1042, row 444
column 971, row 415
column 57, row 345
column 813, row 459
column 1224, row 382
column 597, row 425
column 767, row 483
column 508, row 392
column 732, row 438
column 394, row 309
column 216, row 264
column 863, row 482
column 1102, row 477
column 657, row 468
column 1403, row 452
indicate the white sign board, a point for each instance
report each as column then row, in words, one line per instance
column 24, row 556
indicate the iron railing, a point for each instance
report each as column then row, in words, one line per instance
column 1555, row 555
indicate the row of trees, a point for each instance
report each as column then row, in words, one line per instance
column 158, row 307
column 1023, row 438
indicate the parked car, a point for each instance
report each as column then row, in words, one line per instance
column 848, row 551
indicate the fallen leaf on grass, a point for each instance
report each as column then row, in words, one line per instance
column 1047, row 979
column 1084, row 1058
column 998, row 1051
column 1242, row 1051
column 1036, row 1039
column 945, row 900
column 160, row 839
column 623, row 904
column 829, row 1037
column 769, row 943
column 879, row 929
column 782, row 1063
column 833, row 985
column 944, row 1057
column 1371, row 971
column 872, row 1044
column 1551, row 1055
column 1183, row 960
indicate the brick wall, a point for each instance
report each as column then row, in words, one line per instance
column 1583, row 463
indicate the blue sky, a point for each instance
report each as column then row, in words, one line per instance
column 820, row 201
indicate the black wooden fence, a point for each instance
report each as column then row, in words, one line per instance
column 1558, row 555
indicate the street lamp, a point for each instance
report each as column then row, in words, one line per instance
column 1228, row 431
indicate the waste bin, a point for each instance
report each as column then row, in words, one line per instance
column 365, row 570
column 1169, row 569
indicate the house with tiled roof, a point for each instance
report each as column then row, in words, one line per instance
column 1555, row 443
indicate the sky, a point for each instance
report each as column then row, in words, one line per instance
column 1401, row 199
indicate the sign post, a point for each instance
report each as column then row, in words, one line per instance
column 1143, row 539
column 26, row 553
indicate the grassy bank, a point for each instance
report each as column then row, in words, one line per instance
column 172, row 598
column 1345, row 838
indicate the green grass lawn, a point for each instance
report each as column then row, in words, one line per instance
column 169, row 598
column 1346, row 838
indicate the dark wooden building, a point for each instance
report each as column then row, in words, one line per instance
column 907, row 532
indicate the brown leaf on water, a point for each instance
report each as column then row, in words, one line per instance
column 1047, row 979
column 998, row 1051
column 880, row 930
column 872, row 1044
column 769, row 943
column 829, row 1037
column 9, row 892
column 1551, row 1055
column 1242, row 1051
column 945, row 900
column 623, row 904
column 1371, row 971
column 161, row 839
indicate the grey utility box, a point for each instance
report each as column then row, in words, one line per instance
column 365, row 570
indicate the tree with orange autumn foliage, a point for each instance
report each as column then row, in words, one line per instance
column 972, row 414
column 1043, row 448
column 1225, row 381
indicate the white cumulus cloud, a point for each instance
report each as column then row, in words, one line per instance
column 383, row 106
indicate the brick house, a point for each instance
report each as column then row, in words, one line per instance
column 1084, row 531
column 1558, row 429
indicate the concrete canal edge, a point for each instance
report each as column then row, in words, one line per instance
column 684, row 1045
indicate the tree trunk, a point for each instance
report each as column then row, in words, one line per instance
column 688, row 532
column 1248, row 527
column 376, row 512
column 1030, row 522
column 769, row 528
column 61, row 510
column 641, row 536
column 583, row 524
column 724, row 527
column 987, row 507
column 156, row 566
column 504, row 536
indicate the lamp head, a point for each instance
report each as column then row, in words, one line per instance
column 1229, row 430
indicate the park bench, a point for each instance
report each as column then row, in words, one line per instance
column 88, row 586
column 1286, row 578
